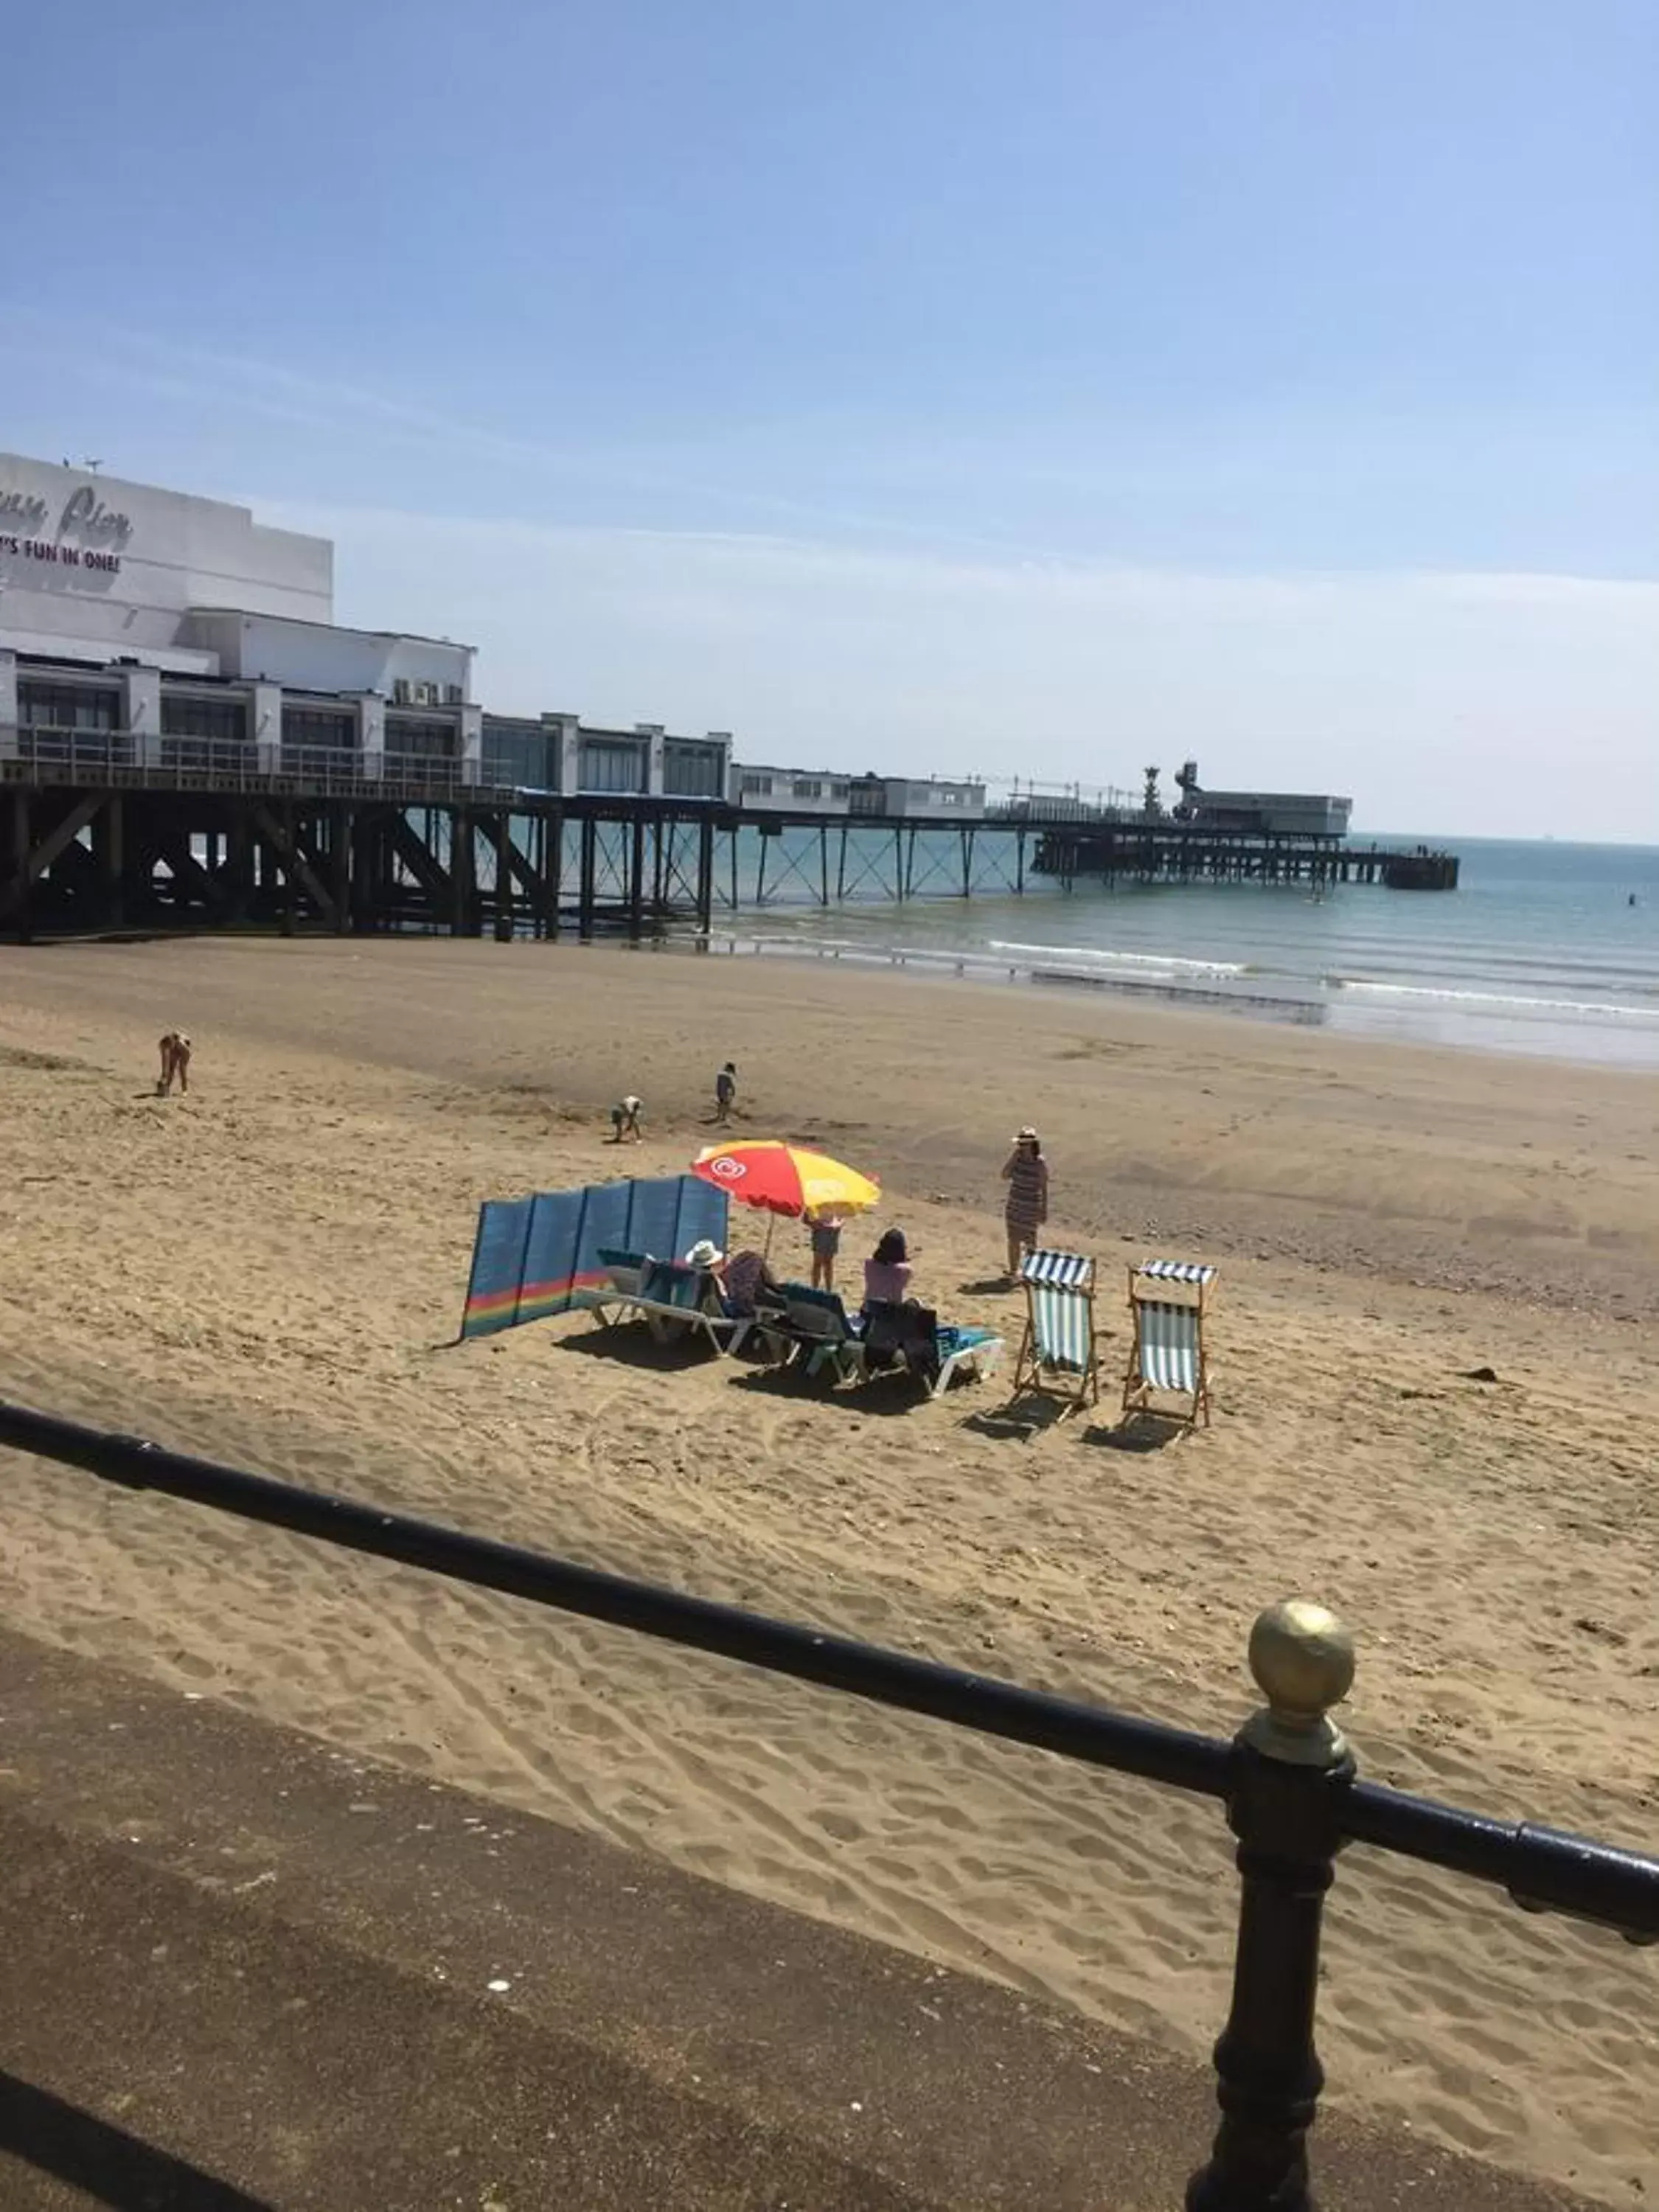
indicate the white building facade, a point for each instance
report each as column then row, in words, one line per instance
column 760, row 789
column 170, row 630
column 560, row 754
column 825, row 792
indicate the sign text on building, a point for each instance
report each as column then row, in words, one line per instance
column 84, row 516
column 67, row 557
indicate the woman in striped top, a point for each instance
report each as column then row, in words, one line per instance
column 1026, row 1174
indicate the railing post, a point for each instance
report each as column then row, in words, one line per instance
column 1292, row 1770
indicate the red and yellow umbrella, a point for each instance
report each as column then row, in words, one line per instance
column 785, row 1178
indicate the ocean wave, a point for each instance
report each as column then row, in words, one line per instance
column 871, row 952
column 1365, row 956
column 1520, row 1007
column 1172, row 963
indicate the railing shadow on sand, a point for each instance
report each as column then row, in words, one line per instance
column 1288, row 1779
column 105, row 2164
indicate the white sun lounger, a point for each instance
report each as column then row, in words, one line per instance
column 912, row 1337
column 670, row 1299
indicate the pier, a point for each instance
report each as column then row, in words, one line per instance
column 92, row 841
column 1168, row 851
column 188, row 740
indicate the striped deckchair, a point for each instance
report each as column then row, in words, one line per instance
column 1059, row 1352
column 1168, row 1299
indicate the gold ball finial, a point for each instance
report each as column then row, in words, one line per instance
column 1302, row 1657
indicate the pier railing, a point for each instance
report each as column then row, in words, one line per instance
column 1023, row 799
column 1287, row 1778
column 117, row 760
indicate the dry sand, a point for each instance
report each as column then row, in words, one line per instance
column 267, row 1272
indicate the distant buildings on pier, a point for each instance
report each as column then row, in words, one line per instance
column 143, row 628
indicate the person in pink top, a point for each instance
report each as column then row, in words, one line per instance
column 887, row 1271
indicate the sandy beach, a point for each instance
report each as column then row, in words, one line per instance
column 271, row 1271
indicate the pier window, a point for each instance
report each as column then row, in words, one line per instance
column 222, row 721
column 614, row 765
column 319, row 740
column 324, row 729
column 67, row 706
column 418, row 737
column 809, row 786
column 756, row 787
column 693, row 771
column 515, row 757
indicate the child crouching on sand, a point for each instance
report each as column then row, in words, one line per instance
column 175, row 1061
column 625, row 1120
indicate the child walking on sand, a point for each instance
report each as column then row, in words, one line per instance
column 726, row 1092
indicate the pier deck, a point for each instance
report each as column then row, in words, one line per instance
column 1172, row 851
column 92, row 841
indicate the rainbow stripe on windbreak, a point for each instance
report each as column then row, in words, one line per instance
column 493, row 1310
column 537, row 1301
column 533, row 1257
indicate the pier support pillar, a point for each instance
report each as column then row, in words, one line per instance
column 15, row 883
column 585, row 893
column 463, row 873
column 636, row 879
column 109, row 845
column 501, row 833
column 340, row 829
column 705, row 875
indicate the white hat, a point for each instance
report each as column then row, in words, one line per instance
column 705, row 1253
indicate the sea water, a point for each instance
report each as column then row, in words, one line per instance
column 1545, row 948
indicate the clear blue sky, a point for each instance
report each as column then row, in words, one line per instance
column 1044, row 387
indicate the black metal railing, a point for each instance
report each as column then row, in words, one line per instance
column 1287, row 1778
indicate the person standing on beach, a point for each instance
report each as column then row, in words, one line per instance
column 175, row 1061
column 726, row 1092
column 826, row 1227
column 1026, row 1174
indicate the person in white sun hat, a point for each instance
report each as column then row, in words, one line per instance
column 1026, row 1174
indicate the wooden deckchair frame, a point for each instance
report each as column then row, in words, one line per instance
column 1073, row 1390
column 1145, row 1290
